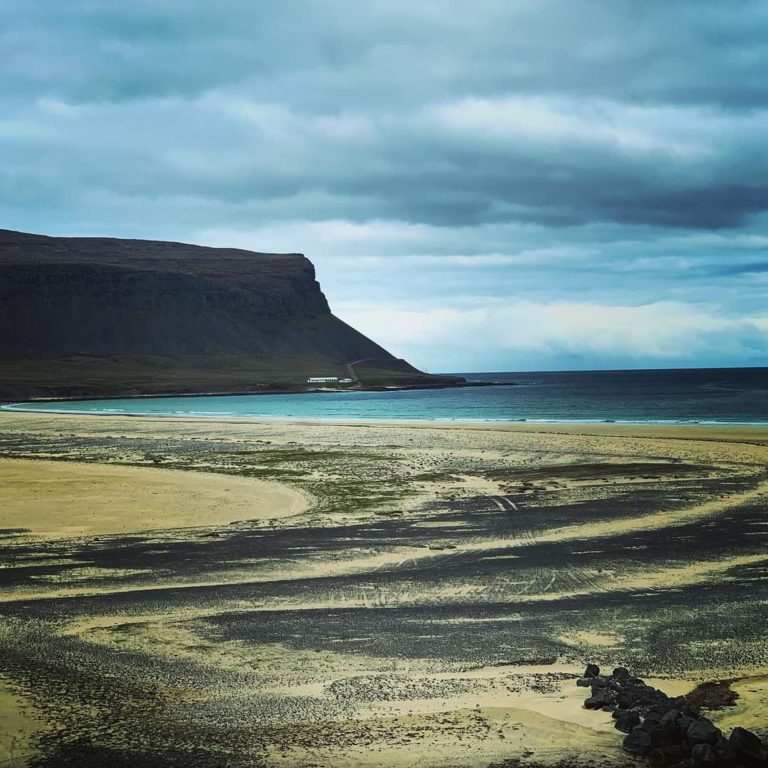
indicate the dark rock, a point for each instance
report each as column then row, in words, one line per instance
column 621, row 673
column 671, row 716
column 748, row 747
column 627, row 697
column 703, row 755
column 592, row 670
column 726, row 756
column 661, row 700
column 663, row 756
column 712, row 695
column 600, row 699
column 668, row 731
column 703, row 731
column 638, row 742
column 642, row 695
column 685, row 722
column 626, row 720
column 663, row 734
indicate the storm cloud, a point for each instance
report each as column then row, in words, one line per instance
column 494, row 184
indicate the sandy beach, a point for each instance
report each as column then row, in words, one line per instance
column 66, row 499
column 290, row 593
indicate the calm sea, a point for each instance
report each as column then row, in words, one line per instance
column 720, row 395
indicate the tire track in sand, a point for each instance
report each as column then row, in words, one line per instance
column 367, row 563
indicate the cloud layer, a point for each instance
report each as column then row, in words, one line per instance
column 574, row 184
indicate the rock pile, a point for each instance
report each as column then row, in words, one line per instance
column 668, row 731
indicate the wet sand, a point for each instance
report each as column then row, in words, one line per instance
column 370, row 594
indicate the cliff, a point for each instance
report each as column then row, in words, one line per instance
column 103, row 316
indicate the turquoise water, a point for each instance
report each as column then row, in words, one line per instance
column 730, row 396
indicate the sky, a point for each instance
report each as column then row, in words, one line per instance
column 486, row 185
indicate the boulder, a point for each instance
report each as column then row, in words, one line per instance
column 668, row 730
column 703, row 731
column 703, row 755
column 632, row 695
column 664, row 756
column 653, row 717
column 600, row 699
column 627, row 697
column 685, row 722
column 638, row 742
column 621, row 673
column 748, row 747
column 626, row 720
column 726, row 756
column 666, row 735
column 671, row 716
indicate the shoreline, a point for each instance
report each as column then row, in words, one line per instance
column 131, row 395
column 352, row 421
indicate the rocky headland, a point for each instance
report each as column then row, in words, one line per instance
column 112, row 317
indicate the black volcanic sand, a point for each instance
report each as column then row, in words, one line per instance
column 432, row 607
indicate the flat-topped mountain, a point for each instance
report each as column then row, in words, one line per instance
column 103, row 316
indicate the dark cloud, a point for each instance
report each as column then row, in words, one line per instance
column 559, row 149
column 685, row 51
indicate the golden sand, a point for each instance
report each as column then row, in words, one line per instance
column 62, row 499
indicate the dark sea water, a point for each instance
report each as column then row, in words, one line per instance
column 720, row 395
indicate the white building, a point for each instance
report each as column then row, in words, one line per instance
column 323, row 380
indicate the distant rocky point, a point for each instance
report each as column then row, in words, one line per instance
column 82, row 317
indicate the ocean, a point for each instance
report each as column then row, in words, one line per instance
column 707, row 396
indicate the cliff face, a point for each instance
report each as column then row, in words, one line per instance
column 98, row 316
